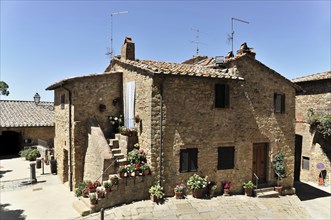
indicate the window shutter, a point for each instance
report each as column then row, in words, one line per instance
column 193, row 159
column 183, row 160
column 283, row 103
column 277, row 103
column 222, row 95
column 225, row 158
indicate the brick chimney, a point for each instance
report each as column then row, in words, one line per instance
column 244, row 49
column 128, row 52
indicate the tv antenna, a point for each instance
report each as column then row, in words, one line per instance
column 232, row 31
column 197, row 39
column 111, row 31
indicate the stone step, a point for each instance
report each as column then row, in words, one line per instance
column 81, row 207
column 267, row 194
column 118, row 136
column 266, row 189
column 122, row 162
column 116, row 151
column 114, row 143
column 119, row 156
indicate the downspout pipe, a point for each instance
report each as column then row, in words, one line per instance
column 70, row 137
column 161, row 134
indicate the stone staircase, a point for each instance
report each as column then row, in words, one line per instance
column 119, row 156
column 267, row 192
column 82, row 206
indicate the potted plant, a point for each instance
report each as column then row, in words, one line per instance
column 197, row 185
column 107, row 185
column 100, row 192
column 145, row 168
column 114, row 180
column 248, row 186
column 122, row 171
column 93, row 198
column 131, row 169
column 279, row 169
column 91, row 187
column 156, row 193
column 180, row 191
column 212, row 186
column 97, row 184
column 226, row 187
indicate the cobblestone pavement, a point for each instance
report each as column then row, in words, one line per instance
column 231, row 207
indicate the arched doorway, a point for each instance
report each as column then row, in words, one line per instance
column 10, row 143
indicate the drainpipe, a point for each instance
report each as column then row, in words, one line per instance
column 161, row 132
column 70, row 139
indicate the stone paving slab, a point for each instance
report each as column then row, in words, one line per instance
column 233, row 207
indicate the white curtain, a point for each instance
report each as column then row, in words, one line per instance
column 129, row 104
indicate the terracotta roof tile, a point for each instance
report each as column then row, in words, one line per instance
column 314, row 77
column 159, row 67
column 25, row 114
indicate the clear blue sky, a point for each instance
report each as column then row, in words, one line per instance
column 43, row 42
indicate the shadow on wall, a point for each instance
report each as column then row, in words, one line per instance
column 10, row 214
column 307, row 192
column 324, row 142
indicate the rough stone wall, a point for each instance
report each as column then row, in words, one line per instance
column 191, row 121
column 34, row 133
column 88, row 93
column 143, row 107
column 98, row 155
column 316, row 95
column 128, row 190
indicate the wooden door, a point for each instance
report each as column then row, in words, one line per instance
column 260, row 161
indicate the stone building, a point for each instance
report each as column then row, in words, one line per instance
column 23, row 123
column 224, row 118
column 313, row 151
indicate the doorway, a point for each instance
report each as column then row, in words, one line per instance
column 10, row 143
column 298, row 153
column 260, row 161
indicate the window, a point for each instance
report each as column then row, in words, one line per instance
column 225, row 158
column 305, row 163
column 279, row 103
column 188, row 160
column 63, row 97
column 222, row 96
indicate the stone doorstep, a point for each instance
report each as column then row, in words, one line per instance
column 267, row 194
column 81, row 207
column 116, row 150
column 261, row 190
column 119, row 156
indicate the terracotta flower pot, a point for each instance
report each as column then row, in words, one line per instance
column 146, row 172
column 179, row 195
column 278, row 189
column 198, row 193
column 93, row 202
column 226, row 192
column 249, row 192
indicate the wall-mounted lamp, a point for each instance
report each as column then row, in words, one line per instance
column 36, row 99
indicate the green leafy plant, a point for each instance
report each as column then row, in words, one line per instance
column 137, row 156
column 30, row 154
column 157, row 191
column 320, row 123
column 116, row 122
column 82, row 185
column 249, row 185
column 197, row 182
column 122, row 169
column 279, row 166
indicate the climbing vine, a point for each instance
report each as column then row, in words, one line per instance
column 320, row 123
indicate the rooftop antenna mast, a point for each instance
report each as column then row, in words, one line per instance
column 197, row 40
column 232, row 31
column 111, row 31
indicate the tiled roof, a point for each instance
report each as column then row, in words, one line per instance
column 314, row 77
column 25, row 114
column 167, row 68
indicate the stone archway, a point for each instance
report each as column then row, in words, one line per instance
column 10, row 143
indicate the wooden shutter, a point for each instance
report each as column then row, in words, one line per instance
column 183, row 160
column 222, row 96
column 283, row 103
column 225, row 158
